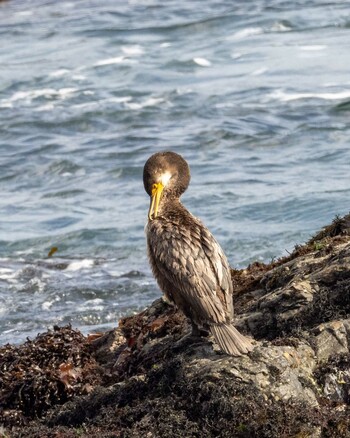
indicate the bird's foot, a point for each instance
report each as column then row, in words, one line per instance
column 199, row 332
column 194, row 338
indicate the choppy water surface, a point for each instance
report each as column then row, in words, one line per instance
column 255, row 95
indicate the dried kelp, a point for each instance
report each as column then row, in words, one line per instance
column 44, row 372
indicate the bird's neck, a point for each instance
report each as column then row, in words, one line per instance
column 170, row 206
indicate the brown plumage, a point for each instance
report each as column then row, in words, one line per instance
column 187, row 262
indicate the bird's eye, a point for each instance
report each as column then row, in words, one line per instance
column 154, row 189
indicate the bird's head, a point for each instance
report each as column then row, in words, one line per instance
column 166, row 175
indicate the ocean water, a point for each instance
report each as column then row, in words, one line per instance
column 255, row 95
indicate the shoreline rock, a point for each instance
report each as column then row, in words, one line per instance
column 141, row 380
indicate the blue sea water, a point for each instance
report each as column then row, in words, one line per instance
column 255, row 95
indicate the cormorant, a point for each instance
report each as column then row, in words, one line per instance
column 187, row 262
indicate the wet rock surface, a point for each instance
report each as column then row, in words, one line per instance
column 144, row 379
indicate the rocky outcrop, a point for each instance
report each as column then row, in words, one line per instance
column 145, row 380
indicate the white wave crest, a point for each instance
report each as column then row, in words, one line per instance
column 152, row 101
column 202, row 62
column 59, row 73
column 314, row 48
column 134, row 50
column 28, row 96
column 286, row 97
column 110, row 61
column 245, row 33
column 81, row 264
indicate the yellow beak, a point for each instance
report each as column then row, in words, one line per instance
column 157, row 190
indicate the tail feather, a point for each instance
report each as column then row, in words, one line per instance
column 230, row 340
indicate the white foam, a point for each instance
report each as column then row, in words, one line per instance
column 202, row 62
column 11, row 330
column 225, row 105
column 245, row 33
column 59, row 73
column 313, row 48
column 120, row 99
column 81, row 264
column 63, row 93
column 47, row 93
column 94, row 104
column 165, row 45
column 331, row 84
column 24, row 13
column 5, row 270
column 259, row 71
column 47, row 107
column 96, row 301
column 33, row 94
column 78, row 77
column 86, row 106
column 115, row 273
column 182, row 91
column 8, row 275
column 280, row 27
column 5, row 104
column 132, row 50
column 46, row 305
column 236, row 55
column 152, row 101
column 110, row 61
column 286, row 97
